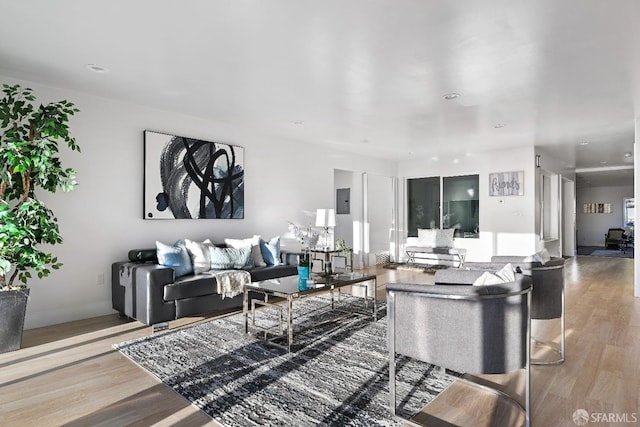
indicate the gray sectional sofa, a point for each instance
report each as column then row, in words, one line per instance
column 149, row 292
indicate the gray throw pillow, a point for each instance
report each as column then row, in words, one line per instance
column 229, row 258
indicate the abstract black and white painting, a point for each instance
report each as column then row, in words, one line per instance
column 188, row 178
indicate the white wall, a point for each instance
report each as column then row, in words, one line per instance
column 379, row 214
column 568, row 218
column 636, row 194
column 102, row 219
column 593, row 227
column 507, row 224
column 350, row 226
column 375, row 235
column 344, row 228
column 561, row 208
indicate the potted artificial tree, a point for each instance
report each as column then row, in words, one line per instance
column 29, row 163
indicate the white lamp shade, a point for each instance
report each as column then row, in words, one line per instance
column 326, row 218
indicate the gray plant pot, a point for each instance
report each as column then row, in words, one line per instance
column 13, row 306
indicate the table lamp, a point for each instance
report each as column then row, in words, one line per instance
column 326, row 218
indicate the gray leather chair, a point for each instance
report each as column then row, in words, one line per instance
column 468, row 329
column 547, row 298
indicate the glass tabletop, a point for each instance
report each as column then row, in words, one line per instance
column 290, row 284
column 325, row 251
column 341, row 278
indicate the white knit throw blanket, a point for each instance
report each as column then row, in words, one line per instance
column 231, row 282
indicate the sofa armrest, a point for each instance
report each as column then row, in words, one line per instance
column 452, row 276
column 147, row 297
column 290, row 257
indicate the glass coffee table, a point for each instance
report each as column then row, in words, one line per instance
column 286, row 290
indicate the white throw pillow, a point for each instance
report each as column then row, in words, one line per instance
column 254, row 244
column 427, row 237
column 487, row 278
column 504, row 275
column 544, row 255
column 541, row 256
column 199, row 253
column 435, row 237
column 444, row 238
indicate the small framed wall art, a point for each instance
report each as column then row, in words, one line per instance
column 596, row 208
column 506, row 183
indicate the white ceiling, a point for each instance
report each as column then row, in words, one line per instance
column 355, row 74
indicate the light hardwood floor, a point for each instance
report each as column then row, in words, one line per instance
column 69, row 374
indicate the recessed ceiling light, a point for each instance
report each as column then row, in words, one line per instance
column 450, row 96
column 584, row 143
column 434, row 158
column 96, row 68
column 456, row 161
column 499, row 125
column 627, row 155
column 603, row 162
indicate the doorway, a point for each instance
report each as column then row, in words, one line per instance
column 366, row 214
column 569, row 244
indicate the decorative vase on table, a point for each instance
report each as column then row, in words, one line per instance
column 303, row 271
column 303, row 276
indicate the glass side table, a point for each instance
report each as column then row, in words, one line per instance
column 328, row 255
column 324, row 256
column 348, row 260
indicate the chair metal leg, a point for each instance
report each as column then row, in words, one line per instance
column 561, row 350
column 392, row 351
column 482, row 383
column 527, row 386
column 527, row 371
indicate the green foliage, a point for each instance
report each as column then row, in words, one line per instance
column 304, row 260
column 29, row 146
column 341, row 245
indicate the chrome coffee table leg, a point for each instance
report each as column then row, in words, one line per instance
column 289, row 323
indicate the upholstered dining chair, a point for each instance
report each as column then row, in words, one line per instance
column 615, row 238
column 547, row 297
column 468, row 329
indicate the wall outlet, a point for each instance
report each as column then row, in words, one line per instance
column 100, row 279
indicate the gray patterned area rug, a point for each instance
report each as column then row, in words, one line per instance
column 337, row 377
